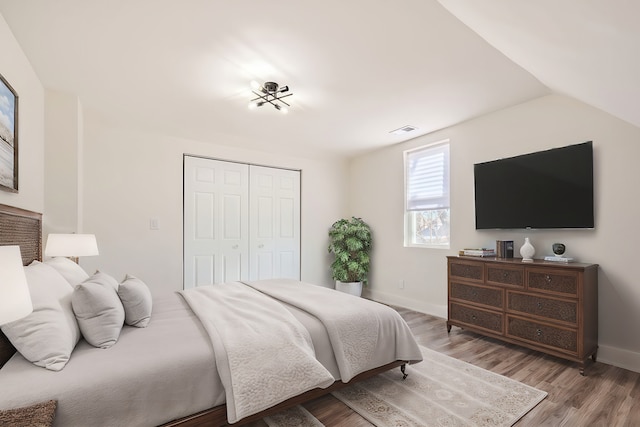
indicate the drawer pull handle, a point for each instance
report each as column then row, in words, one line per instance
column 539, row 305
column 473, row 317
column 474, row 293
column 548, row 278
column 539, row 332
column 505, row 275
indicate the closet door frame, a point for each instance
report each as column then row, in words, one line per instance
column 246, row 252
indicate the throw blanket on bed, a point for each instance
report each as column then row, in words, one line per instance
column 355, row 325
column 262, row 352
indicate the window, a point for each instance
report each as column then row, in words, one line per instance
column 427, row 211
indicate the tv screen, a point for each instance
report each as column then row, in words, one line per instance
column 546, row 189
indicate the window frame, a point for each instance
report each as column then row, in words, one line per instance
column 409, row 214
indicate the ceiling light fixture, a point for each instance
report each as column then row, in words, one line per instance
column 269, row 93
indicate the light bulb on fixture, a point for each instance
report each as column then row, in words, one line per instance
column 283, row 110
column 255, row 85
column 255, row 104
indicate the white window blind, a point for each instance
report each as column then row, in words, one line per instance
column 427, row 178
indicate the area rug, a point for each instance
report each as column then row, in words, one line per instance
column 439, row 391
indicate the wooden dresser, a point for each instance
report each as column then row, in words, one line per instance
column 546, row 306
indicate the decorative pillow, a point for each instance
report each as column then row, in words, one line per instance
column 38, row 415
column 98, row 309
column 68, row 269
column 48, row 335
column 106, row 279
column 136, row 300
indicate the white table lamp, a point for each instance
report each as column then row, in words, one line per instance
column 71, row 245
column 15, row 301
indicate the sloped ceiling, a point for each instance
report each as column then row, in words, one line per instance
column 357, row 69
column 589, row 50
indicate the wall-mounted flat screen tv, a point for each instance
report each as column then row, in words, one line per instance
column 546, row 189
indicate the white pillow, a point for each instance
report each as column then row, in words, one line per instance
column 136, row 300
column 98, row 309
column 106, row 279
column 69, row 270
column 48, row 335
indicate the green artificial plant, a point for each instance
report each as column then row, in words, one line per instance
column 350, row 242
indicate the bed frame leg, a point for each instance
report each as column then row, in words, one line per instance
column 402, row 369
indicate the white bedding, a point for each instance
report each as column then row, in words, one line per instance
column 247, row 322
column 165, row 371
column 264, row 356
column 150, row 376
column 364, row 334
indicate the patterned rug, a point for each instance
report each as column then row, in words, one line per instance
column 439, row 391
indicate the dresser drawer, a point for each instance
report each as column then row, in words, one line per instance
column 555, row 282
column 560, row 339
column 564, row 311
column 476, row 317
column 476, row 294
column 504, row 275
column 467, row 270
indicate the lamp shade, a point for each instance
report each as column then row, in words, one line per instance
column 15, row 301
column 71, row 245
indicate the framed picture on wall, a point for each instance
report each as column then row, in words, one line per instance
column 8, row 137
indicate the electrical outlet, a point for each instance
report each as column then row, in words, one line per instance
column 401, row 284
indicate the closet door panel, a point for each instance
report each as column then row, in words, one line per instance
column 216, row 209
column 274, row 243
column 204, row 267
column 232, row 221
column 233, row 265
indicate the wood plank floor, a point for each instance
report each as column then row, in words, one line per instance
column 606, row 396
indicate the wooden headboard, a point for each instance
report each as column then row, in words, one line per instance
column 23, row 228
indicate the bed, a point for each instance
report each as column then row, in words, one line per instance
column 168, row 373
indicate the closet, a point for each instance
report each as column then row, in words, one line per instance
column 241, row 222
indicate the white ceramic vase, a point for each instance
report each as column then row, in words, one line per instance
column 527, row 250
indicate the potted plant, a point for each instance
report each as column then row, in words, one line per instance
column 350, row 242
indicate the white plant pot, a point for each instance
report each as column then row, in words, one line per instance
column 353, row 288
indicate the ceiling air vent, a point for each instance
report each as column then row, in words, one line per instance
column 403, row 130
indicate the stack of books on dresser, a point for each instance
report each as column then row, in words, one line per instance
column 557, row 258
column 481, row 252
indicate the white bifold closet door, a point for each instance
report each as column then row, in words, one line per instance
column 241, row 222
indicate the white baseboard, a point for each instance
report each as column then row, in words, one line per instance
column 606, row 354
column 619, row 357
column 411, row 304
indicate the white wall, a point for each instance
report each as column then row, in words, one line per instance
column 130, row 177
column 376, row 194
column 63, row 126
column 16, row 69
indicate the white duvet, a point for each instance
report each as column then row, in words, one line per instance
column 360, row 330
column 264, row 354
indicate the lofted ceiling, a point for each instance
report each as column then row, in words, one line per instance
column 357, row 69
